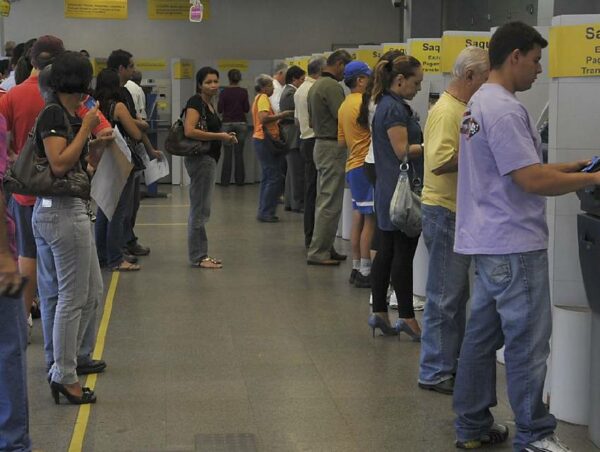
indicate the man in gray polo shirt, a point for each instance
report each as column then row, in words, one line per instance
column 324, row 100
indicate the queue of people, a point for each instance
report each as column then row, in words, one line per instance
column 477, row 170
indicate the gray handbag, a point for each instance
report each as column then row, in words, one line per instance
column 405, row 207
column 31, row 173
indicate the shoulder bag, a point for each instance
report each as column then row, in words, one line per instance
column 31, row 173
column 177, row 143
column 405, row 207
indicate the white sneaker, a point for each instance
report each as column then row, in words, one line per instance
column 418, row 303
column 393, row 301
column 371, row 300
column 29, row 328
column 549, row 444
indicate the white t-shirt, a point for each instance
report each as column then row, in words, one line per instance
column 276, row 96
column 139, row 98
column 301, row 104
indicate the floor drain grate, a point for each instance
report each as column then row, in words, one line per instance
column 228, row 442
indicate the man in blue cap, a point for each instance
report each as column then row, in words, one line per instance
column 357, row 139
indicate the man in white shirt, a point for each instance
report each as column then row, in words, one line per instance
column 139, row 97
column 307, row 145
column 278, row 85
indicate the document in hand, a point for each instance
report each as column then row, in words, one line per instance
column 111, row 175
column 155, row 169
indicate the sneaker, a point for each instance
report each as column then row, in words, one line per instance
column 353, row 274
column 371, row 300
column 362, row 282
column 29, row 328
column 418, row 303
column 495, row 435
column 548, row 444
column 393, row 301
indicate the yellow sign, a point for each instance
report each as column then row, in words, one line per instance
column 4, row 8
column 303, row 63
column 452, row 45
column 575, row 51
column 98, row 64
column 151, row 65
column 227, row 65
column 369, row 56
column 402, row 47
column 96, row 9
column 428, row 52
column 174, row 9
column 183, row 69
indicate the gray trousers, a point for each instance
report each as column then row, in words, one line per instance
column 202, row 171
column 294, row 180
column 69, row 278
column 330, row 161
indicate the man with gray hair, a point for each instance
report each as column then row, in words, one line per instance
column 278, row 84
column 448, row 280
column 307, row 145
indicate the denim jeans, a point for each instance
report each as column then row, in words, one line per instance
column 241, row 130
column 271, row 179
column 110, row 235
column 447, row 296
column 14, row 413
column 202, row 172
column 69, row 282
column 511, row 307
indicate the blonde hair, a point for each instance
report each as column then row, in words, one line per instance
column 385, row 73
column 471, row 58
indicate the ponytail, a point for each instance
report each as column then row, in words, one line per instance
column 386, row 72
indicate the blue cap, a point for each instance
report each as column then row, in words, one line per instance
column 356, row 68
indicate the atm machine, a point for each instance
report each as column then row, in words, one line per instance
column 588, row 229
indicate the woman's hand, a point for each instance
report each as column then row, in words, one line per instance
column 228, row 137
column 91, row 119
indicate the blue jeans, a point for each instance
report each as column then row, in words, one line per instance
column 202, row 172
column 271, row 179
column 511, row 307
column 447, row 296
column 14, row 413
column 69, row 283
column 110, row 235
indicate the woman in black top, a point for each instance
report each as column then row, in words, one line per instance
column 110, row 235
column 202, row 168
column 69, row 279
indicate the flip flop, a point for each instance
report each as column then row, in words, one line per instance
column 126, row 267
column 209, row 263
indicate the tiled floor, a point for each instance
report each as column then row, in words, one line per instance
column 268, row 346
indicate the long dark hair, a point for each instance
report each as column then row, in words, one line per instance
column 363, row 114
column 386, row 72
column 108, row 90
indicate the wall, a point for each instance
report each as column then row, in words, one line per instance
column 562, row 7
column 237, row 28
column 481, row 15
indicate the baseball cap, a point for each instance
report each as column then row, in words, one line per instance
column 356, row 68
column 44, row 49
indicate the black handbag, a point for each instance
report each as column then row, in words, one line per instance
column 177, row 143
column 32, row 175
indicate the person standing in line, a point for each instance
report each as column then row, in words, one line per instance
column 396, row 136
column 234, row 105
column 358, row 139
column 278, row 84
column 202, row 169
column 14, row 410
column 324, row 100
column 448, row 278
column 501, row 224
column 307, row 145
column 294, row 180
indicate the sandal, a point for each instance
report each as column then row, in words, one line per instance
column 210, row 263
column 126, row 267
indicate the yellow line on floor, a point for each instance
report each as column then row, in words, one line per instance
column 84, row 410
column 161, row 224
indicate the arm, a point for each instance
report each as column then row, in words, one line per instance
column 141, row 124
column 334, row 96
column 130, row 125
column 246, row 104
column 546, row 180
column 265, row 118
column 341, row 137
column 569, row 167
column 192, row 116
column 398, row 136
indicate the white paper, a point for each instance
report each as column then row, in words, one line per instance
column 110, row 177
column 122, row 144
column 155, row 170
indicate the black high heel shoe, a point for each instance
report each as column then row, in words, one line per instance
column 87, row 395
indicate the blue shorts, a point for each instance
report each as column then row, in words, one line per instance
column 362, row 191
column 25, row 240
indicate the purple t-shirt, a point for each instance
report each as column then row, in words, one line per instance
column 494, row 215
column 233, row 104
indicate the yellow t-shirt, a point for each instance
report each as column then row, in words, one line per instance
column 357, row 139
column 262, row 103
column 441, row 141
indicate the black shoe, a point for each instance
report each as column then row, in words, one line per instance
column 362, row 282
column 443, row 387
column 136, row 249
column 353, row 274
column 36, row 313
column 130, row 258
column 273, row 219
column 95, row 366
column 337, row 256
column 86, row 396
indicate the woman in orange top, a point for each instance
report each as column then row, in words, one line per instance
column 271, row 162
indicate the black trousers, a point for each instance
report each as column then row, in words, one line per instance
column 394, row 261
column 310, row 188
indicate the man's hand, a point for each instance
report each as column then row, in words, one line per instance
column 577, row 165
column 10, row 279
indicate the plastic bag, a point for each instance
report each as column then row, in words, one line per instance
column 405, row 208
